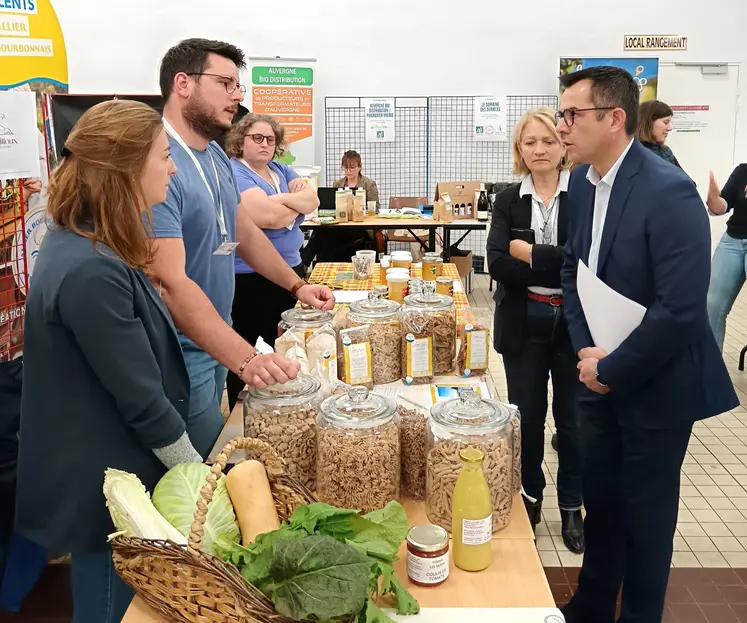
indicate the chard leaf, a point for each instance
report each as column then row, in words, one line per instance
column 317, row 577
column 371, row 613
column 256, row 568
column 308, row 517
column 394, row 518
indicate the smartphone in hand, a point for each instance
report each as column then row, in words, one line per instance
column 527, row 235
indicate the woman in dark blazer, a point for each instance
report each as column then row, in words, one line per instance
column 525, row 255
column 105, row 383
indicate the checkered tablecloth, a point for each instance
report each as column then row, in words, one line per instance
column 327, row 274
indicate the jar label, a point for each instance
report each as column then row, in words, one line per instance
column 477, row 531
column 419, row 356
column 358, row 363
column 427, row 570
column 477, row 349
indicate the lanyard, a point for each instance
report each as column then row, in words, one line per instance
column 218, row 204
column 545, row 217
column 275, row 179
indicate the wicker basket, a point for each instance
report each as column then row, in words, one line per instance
column 190, row 586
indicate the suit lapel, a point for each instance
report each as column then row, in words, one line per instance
column 621, row 188
column 563, row 219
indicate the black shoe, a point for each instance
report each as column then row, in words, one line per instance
column 554, row 442
column 573, row 531
column 534, row 511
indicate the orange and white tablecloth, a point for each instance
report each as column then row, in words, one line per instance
column 338, row 276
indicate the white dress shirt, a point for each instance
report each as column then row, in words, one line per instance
column 545, row 218
column 601, row 203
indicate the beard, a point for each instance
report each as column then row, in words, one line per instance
column 199, row 117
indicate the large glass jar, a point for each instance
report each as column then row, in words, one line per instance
column 305, row 318
column 469, row 421
column 438, row 320
column 382, row 315
column 285, row 417
column 358, row 459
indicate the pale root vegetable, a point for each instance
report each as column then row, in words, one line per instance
column 252, row 500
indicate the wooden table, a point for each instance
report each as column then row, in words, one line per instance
column 515, row 579
column 379, row 223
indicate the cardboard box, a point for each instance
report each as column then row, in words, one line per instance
column 397, row 203
column 443, row 209
column 343, row 207
column 358, row 212
column 463, row 263
column 461, row 193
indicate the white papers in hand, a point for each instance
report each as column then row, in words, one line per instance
column 611, row 316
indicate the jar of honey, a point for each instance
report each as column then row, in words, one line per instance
column 397, row 286
column 445, row 285
column 427, row 555
column 432, row 266
column 402, row 259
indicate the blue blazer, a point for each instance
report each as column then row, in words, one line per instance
column 655, row 250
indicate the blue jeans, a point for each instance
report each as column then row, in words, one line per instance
column 99, row 595
column 547, row 351
column 727, row 277
column 207, row 379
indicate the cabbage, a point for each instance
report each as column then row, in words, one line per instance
column 132, row 511
column 176, row 495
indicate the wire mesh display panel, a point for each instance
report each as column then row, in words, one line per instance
column 398, row 168
column 454, row 154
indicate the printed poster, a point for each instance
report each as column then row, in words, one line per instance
column 32, row 59
column 19, row 146
column 690, row 119
column 379, row 114
column 285, row 90
column 490, row 118
column 644, row 70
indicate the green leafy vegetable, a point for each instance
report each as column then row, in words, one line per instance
column 317, row 577
column 308, row 517
column 371, row 613
column 176, row 495
column 298, row 577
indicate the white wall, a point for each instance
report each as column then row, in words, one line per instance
column 394, row 47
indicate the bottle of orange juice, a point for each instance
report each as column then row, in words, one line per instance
column 472, row 514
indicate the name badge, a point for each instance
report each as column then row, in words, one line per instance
column 226, row 248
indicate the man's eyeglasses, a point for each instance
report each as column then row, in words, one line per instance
column 228, row 82
column 260, row 138
column 569, row 114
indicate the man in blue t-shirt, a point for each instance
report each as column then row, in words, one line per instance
column 202, row 225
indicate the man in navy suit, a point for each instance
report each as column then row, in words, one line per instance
column 638, row 223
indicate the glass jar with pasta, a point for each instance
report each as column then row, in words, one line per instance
column 440, row 312
column 382, row 318
column 469, row 421
column 358, row 457
column 305, row 319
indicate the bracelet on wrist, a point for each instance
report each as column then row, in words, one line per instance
column 299, row 284
column 243, row 366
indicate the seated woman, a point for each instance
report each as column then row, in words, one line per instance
column 525, row 256
column 278, row 201
column 104, row 381
column 354, row 178
column 338, row 245
column 654, row 126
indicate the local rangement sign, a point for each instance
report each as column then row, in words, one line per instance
column 634, row 43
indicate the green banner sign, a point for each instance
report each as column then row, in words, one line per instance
column 285, row 76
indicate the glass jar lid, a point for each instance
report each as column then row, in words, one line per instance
column 375, row 306
column 297, row 390
column 470, row 413
column 429, row 298
column 359, row 408
column 428, row 538
column 306, row 317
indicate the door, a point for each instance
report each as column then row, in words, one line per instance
column 703, row 139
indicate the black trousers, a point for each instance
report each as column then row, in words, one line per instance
column 547, row 351
column 257, row 305
column 631, row 494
